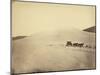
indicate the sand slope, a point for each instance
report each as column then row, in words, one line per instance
column 46, row 51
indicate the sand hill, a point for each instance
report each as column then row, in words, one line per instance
column 46, row 51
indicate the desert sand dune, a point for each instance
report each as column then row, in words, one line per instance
column 46, row 51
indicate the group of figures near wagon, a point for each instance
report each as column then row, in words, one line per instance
column 70, row 44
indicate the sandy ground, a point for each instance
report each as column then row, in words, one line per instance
column 43, row 52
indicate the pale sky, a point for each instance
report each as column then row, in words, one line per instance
column 29, row 17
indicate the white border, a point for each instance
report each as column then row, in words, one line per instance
column 5, row 37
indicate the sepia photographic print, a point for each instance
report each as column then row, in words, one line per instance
column 52, row 37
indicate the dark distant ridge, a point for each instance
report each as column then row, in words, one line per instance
column 91, row 29
column 18, row 37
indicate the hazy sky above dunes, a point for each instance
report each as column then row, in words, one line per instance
column 29, row 18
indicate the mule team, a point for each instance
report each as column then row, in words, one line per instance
column 69, row 43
